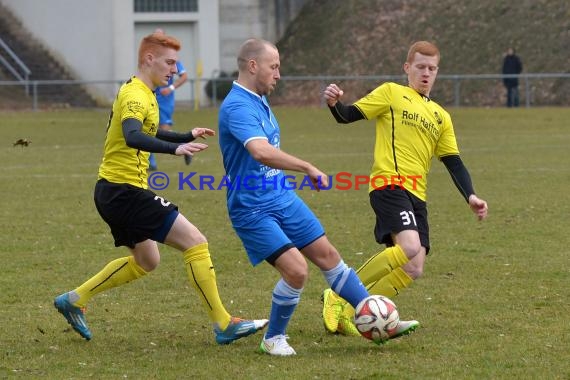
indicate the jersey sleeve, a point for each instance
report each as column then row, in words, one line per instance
column 180, row 67
column 133, row 105
column 447, row 143
column 376, row 102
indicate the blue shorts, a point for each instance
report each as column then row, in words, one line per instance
column 267, row 234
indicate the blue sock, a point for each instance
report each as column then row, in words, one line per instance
column 344, row 282
column 285, row 300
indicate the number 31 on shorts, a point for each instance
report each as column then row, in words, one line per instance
column 408, row 218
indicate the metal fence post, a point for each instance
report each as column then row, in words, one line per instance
column 527, row 91
column 35, row 95
column 456, row 90
column 323, row 87
column 215, row 92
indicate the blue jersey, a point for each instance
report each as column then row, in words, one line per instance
column 166, row 102
column 253, row 187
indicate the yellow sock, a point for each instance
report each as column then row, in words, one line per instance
column 203, row 278
column 117, row 272
column 381, row 264
column 391, row 284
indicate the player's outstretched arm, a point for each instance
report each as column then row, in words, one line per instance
column 177, row 137
column 478, row 206
column 462, row 179
column 135, row 138
column 190, row 148
column 332, row 94
column 203, row 132
column 343, row 114
column 275, row 158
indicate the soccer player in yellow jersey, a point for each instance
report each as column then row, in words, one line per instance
column 138, row 218
column 410, row 129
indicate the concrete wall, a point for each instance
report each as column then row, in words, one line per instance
column 243, row 19
column 84, row 46
column 98, row 40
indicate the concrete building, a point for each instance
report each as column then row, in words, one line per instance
column 98, row 40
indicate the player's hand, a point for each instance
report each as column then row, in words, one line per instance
column 165, row 91
column 332, row 94
column 190, row 148
column 203, row 132
column 319, row 179
column 478, row 206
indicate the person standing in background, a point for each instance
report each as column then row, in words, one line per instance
column 512, row 65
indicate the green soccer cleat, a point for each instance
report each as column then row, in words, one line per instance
column 332, row 310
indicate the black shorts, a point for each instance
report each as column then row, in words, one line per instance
column 398, row 210
column 134, row 214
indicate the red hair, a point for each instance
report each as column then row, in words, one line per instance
column 154, row 42
column 424, row 48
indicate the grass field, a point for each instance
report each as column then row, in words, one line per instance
column 493, row 301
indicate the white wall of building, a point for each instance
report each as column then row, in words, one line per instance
column 243, row 19
column 81, row 36
column 98, row 40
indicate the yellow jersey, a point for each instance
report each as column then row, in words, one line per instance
column 410, row 130
column 122, row 164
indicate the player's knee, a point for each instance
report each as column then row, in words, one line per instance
column 297, row 277
column 148, row 263
column 411, row 249
column 415, row 271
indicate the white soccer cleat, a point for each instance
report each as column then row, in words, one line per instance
column 277, row 346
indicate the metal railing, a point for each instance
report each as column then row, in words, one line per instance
column 537, row 89
column 529, row 82
column 22, row 77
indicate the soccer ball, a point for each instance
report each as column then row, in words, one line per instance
column 375, row 316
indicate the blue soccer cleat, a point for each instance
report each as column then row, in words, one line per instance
column 238, row 328
column 73, row 314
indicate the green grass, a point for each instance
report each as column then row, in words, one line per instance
column 493, row 301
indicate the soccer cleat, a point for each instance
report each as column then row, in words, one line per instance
column 73, row 314
column 276, row 345
column 403, row 328
column 347, row 327
column 332, row 308
column 238, row 328
column 346, row 324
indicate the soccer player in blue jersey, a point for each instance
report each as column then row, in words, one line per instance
column 165, row 96
column 273, row 223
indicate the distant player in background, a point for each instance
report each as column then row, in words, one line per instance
column 137, row 217
column 512, row 65
column 410, row 129
column 166, row 104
